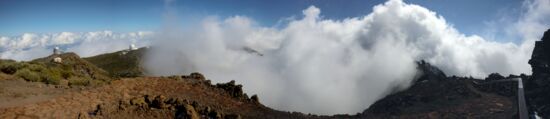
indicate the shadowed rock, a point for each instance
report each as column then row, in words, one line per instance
column 536, row 89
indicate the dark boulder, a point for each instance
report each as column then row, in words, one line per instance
column 255, row 99
column 197, row 75
column 159, row 102
column 235, row 90
column 186, row 112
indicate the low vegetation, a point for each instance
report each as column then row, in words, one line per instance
column 75, row 81
column 73, row 69
column 34, row 71
column 120, row 64
column 28, row 75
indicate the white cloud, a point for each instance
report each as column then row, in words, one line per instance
column 326, row 66
column 64, row 38
column 534, row 20
column 4, row 41
column 30, row 46
column 525, row 29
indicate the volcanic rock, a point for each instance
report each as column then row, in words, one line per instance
column 186, row 112
column 536, row 89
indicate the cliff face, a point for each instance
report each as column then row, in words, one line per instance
column 537, row 87
column 540, row 59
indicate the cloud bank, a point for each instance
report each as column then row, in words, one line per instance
column 534, row 20
column 30, row 45
column 327, row 66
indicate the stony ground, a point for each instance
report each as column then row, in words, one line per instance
column 436, row 96
column 42, row 101
column 19, row 92
column 469, row 103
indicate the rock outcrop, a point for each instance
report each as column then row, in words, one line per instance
column 434, row 95
column 429, row 72
column 183, row 109
column 540, row 59
column 537, row 87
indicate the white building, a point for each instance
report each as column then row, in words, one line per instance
column 57, row 60
column 132, row 47
column 56, row 51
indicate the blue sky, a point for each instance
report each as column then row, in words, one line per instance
column 50, row 16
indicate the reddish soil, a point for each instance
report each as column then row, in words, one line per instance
column 42, row 101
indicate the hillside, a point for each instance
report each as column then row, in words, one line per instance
column 71, row 69
column 125, row 63
column 435, row 95
column 73, row 63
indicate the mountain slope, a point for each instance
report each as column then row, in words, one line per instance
column 72, row 62
column 125, row 63
column 434, row 95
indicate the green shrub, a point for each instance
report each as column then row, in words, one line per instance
column 53, row 81
column 79, row 81
column 36, row 67
column 50, row 79
column 66, row 74
column 8, row 68
column 28, row 75
column 55, row 72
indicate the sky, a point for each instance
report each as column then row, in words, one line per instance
column 318, row 56
column 44, row 16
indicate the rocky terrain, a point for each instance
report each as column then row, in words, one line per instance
column 113, row 85
column 434, row 95
column 144, row 97
column 537, row 87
